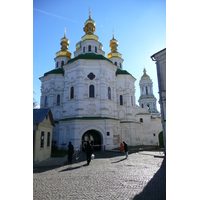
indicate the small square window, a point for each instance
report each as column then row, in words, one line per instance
column 108, row 133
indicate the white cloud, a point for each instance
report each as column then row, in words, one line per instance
column 53, row 15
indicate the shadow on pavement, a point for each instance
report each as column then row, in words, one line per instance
column 118, row 161
column 155, row 156
column 42, row 169
column 72, row 168
column 156, row 187
column 82, row 158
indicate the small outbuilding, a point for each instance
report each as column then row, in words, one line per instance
column 43, row 124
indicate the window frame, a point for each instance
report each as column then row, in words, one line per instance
column 146, row 90
column 109, row 93
column 91, row 91
column 58, row 98
column 45, row 101
column 131, row 100
column 121, row 100
column 48, row 139
column 72, row 92
column 42, row 140
column 89, row 48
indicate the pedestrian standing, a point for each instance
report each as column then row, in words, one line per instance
column 92, row 144
column 88, row 151
column 70, row 152
column 121, row 147
column 125, row 148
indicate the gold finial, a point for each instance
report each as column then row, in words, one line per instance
column 113, row 33
column 89, row 13
column 65, row 32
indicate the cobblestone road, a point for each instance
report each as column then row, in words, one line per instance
column 109, row 176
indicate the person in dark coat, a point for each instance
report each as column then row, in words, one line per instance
column 125, row 149
column 70, row 152
column 88, row 151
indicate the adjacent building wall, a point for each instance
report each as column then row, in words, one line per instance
column 45, row 152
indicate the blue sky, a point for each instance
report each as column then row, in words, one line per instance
column 139, row 26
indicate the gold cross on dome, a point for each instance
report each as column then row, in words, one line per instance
column 89, row 13
column 65, row 32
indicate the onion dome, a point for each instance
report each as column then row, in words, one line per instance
column 89, row 26
column 113, row 46
column 64, row 47
column 89, row 29
column 145, row 76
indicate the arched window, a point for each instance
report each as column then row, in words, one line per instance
column 142, row 105
column 116, row 63
column 83, row 49
column 146, row 90
column 91, row 91
column 89, row 48
column 57, row 64
column 132, row 100
column 72, row 92
column 120, row 65
column 121, row 99
column 95, row 49
column 109, row 93
column 62, row 63
column 45, row 102
column 141, row 120
column 58, row 100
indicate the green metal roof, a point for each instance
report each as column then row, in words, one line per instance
column 120, row 71
column 91, row 56
column 55, row 71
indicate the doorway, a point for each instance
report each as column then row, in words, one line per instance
column 160, row 137
column 94, row 137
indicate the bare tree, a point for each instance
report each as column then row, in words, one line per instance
column 34, row 101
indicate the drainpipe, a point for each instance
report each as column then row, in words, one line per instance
column 160, row 101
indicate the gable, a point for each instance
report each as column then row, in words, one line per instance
column 39, row 115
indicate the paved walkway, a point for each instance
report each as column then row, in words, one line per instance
column 109, row 176
column 57, row 162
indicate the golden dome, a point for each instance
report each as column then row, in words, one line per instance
column 145, row 76
column 113, row 46
column 89, row 27
column 64, row 47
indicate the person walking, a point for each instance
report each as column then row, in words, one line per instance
column 70, row 152
column 125, row 149
column 88, row 151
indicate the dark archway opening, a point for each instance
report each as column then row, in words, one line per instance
column 160, row 137
column 94, row 137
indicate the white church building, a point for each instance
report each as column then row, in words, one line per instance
column 92, row 97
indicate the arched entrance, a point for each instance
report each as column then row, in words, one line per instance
column 95, row 136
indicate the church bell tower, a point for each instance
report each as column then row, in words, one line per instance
column 147, row 99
